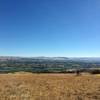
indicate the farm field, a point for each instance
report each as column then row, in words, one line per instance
column 28, row 86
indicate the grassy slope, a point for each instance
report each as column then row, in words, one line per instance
column 26, row 86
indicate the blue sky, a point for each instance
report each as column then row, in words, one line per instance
column 68, row 28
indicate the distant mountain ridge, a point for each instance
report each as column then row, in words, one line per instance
column 4, row 58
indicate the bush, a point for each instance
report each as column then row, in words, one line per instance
column 97, row 71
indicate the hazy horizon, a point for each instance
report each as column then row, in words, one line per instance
column 51, row 56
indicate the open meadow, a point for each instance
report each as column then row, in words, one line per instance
column 28, row 86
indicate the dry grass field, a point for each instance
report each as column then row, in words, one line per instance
column 27, row 86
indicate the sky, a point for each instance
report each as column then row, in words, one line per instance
column 69, row 28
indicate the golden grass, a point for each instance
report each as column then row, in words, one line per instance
column 25, row 86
